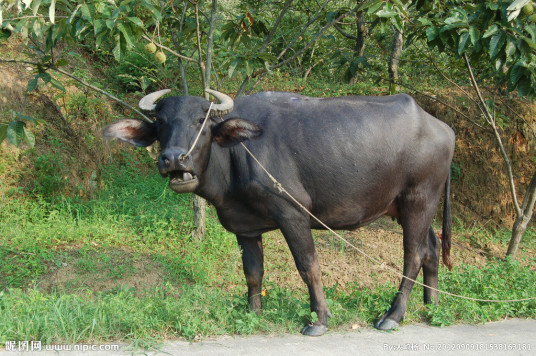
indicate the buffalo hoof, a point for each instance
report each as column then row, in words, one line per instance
column 386, row 324
column 314, row 329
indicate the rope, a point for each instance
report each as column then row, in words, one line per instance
column 183, row 157
column 281, row 189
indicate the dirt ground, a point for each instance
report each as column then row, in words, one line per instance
column 340, row 264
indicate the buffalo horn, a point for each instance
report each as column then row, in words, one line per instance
column 148, row 102
column 224, row 107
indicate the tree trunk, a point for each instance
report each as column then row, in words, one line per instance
column 523, row 219
column 396, row 51
column 362, row 33
column 200, row 205
column 520, row 225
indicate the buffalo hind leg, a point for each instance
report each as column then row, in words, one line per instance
column 416, row 218
column 252, row 261
column 300, row 241
column 430, row 268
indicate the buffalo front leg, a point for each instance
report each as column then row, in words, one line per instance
column 301, row 244
column 252, row 261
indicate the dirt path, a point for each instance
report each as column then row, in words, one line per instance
column 510, row 337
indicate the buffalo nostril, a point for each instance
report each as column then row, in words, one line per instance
column 167, row 162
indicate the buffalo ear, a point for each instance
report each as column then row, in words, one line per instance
column 233, row 131
column 135, row 132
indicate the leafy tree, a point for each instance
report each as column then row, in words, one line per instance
column 180, row 28
column 496, row 36
column 499, row 38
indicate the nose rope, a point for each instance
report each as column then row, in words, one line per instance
column 184, row 156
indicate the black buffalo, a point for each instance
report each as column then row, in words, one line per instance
column 349, row 160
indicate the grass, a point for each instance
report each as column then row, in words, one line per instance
column 135, row 227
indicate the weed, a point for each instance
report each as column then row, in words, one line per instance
column 49, row 175
column 135, row 215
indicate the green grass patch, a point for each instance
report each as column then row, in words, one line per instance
column 123, row 266
column 199, row 310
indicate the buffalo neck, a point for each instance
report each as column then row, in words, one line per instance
column 217, row 180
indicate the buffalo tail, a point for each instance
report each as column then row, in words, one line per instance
column 447, row 227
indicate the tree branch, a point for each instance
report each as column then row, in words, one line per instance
column 491, row 121
column 277, row 22
column 210, row 45
column 169, row 49
column 198, row 35
column 83, row 83
column 305, row 27
column 344, row 33
column 298, row 53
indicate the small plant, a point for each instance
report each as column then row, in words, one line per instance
column 50, row 175
column 16, row 131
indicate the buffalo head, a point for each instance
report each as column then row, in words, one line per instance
column 178, row 122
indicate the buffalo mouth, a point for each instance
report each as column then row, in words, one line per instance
column 183, row 182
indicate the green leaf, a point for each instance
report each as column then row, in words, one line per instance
column 156, row 14
column 464, row 41
column 29, row 137
column 52, row 11
column 110, row 23
column 98, row 26
column 496, row 44
column 45, row 76
column 37, row 27
column 117, row 49
column 424, row 21
column 21, row 117
column 332, row 16
column 513, row 14
column 249, row 68
column 15, row 132
column 368, row 4
column 432, row 33
column 86, row 14
column 524, row 87
column 32, row 84
column 510, row 49
column 74, row 13
column 374, row 8
column 387, row 11
column 233, row 66
column 499, row 63
column 490, row 31
column 136, row 21
column 531, row 29
column 517, row 72
column 397, row 22
column 474, row 34
column 517, row 5
column 4, row 34
column 126, row 34
column 35, row 6
column 57, row 84
column 529, row 42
